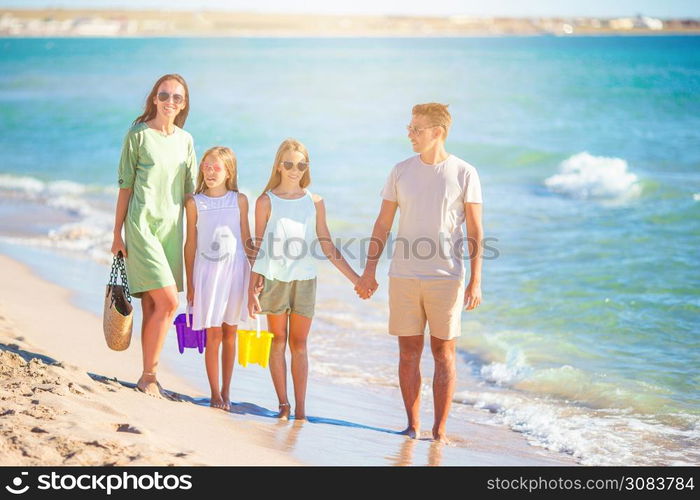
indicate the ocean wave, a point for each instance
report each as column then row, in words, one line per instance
column 31, row 186
column 88, row 209
column 541, row 365
column 584, row 176
column 594, row 437
column 573, row 409
column 515, row 368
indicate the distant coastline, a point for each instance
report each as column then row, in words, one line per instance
column 143, row 23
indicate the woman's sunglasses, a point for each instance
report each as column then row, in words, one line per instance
column 164, row 96
column 301, row 166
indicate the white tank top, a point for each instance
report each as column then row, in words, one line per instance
column 289, row 243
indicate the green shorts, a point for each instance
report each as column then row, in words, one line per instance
column 282, row 297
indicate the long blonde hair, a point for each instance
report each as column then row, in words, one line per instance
column 276, row 177
column 228, row 158
column 150, row 109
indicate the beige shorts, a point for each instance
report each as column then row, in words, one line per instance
column 413, row 302
column 282, row 297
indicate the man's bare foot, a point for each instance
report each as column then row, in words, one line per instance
column 216, row 401
column 149, row 385
column 283, row 414
column 226, row 400
column 440, row 437
column 411, row 431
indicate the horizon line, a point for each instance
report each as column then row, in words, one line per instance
column 336, row 14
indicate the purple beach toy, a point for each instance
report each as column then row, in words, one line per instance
column 186, row 336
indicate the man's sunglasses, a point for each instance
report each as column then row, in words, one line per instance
column 177, row 98
column 301, row 166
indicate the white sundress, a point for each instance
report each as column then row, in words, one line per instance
column 221, row 268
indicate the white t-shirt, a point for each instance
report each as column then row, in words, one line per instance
column 430, row 243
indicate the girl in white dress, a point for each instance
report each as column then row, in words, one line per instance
column 216, row 264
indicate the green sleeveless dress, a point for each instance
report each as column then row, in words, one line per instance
column 161, row 170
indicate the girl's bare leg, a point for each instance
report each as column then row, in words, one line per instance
column 299, row 327
column 277, row 324
column 228, row 357
column 211, row 359
column 159, row 306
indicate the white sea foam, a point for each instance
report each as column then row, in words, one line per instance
column 593, row 437
column 515, row 368
column 584, row 176
column 24, row 185
column 89, row 231
column 58, row 188
column 696, row 196
column 515, row 359
column 31, row 186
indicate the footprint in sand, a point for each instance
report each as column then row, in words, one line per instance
column 127, row 428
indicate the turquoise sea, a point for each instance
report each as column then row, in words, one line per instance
column 588, row 150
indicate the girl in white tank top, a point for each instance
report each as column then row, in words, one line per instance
column 218, row 269
column 290, row 228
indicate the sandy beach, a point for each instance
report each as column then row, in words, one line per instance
column 68, row 399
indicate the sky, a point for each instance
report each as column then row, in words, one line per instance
column 484, row 8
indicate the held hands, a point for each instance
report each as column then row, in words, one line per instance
column 366, row 286
column 472, row 296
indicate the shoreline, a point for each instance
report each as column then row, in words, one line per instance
column 230, row 23
column 124, row 423
column 390, row 36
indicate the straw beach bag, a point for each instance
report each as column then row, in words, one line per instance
column 118, row 316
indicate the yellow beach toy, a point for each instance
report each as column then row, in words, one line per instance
column 254, row 346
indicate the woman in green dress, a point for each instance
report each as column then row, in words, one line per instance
column 157, row 169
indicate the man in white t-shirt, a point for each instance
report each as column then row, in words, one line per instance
column 436, row 193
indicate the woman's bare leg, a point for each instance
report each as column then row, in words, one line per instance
column 277, row 324
column 228, row 357
column 147, row 307
column 299, row 327
column 161, row 305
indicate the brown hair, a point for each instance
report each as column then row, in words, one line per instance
column 228, row 158
column 150, row 109
column 437, row 114
column 276, row 177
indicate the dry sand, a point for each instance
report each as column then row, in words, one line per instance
column 62, row 402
